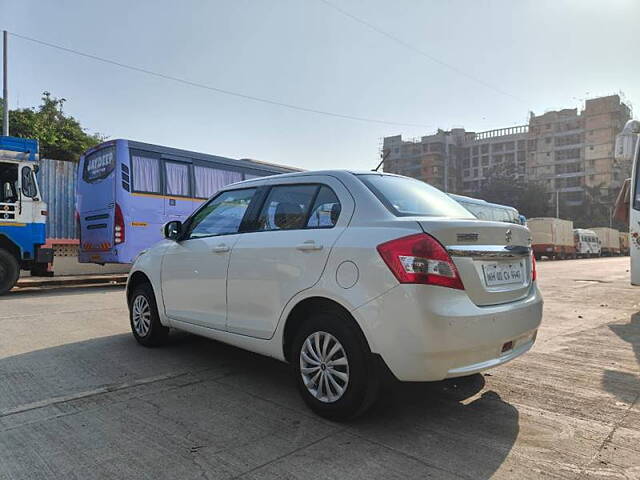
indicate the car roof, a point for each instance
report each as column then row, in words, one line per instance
column 333, row 173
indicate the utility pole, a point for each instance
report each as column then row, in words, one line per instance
column 5, row 84
column 557, row 203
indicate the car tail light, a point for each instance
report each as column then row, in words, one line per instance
column 534, row 274
column 420, row 258
column 118, row 230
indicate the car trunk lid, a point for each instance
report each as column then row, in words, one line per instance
column 492, row 258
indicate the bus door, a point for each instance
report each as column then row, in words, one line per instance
column 178, row 201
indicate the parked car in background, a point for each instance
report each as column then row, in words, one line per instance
column 609, row 240
column 345, row 276
column 489, row 211
column 586, row 243
column 552, row 238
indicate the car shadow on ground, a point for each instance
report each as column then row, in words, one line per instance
column 623, row 384
column 453, row 427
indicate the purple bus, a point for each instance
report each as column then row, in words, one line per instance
column 128, row 190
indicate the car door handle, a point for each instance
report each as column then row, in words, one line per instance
column 222, row 248
column 309, row 246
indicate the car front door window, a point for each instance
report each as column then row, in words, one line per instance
column 222, row 215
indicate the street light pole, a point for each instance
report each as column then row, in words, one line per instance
column 557, row 203
column 5, row 84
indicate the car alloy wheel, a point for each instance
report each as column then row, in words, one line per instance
column 324, row 367
column 141, row 315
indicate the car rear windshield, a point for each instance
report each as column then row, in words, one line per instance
column 408, row 197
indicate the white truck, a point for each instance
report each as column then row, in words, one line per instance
column 552, row 238
column 586, row 242
column 609, row 240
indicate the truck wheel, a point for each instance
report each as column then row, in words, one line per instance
column 9, row 271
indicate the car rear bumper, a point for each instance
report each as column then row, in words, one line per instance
column 426, row 333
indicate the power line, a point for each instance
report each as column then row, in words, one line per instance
column 421, row 52
column 217, row 89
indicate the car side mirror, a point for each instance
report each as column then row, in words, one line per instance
column 173, row 230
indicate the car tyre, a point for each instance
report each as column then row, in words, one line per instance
column 9, row 271
column 144, row 318
column 349, row 369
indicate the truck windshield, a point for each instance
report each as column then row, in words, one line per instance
column 8, row 180
column 408, row 197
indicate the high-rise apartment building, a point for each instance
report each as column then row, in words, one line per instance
column 567, row 151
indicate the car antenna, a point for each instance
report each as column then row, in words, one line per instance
column 384, row 157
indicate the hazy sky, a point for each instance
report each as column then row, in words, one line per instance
column 548, row 54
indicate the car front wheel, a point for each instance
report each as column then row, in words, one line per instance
column 144, row 319
column 331, row 362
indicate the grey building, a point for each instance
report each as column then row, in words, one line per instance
column 568, row 151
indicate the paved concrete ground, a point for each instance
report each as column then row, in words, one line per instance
column 80, row 400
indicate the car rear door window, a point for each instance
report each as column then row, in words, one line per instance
column 287, row 207
column 222, row 215
column 326, row 209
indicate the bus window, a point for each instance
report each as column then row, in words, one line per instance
column 146, row 174
column 177, row 178
column 209, row 180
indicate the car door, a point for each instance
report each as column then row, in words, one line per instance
column 295, row 230
column 194, row 269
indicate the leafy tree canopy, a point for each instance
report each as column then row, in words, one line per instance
column 60, row 135
column 505, row 187
column 532, row 200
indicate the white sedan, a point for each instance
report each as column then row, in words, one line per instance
column 347, row 276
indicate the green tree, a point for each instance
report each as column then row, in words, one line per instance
column 60, row 135
column 596, row 209
column 504, row 186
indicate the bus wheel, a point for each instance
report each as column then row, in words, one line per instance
column 9, row 271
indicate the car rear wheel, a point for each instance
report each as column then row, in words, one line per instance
column 9, row 271
column 144, row 319
column 332, row 366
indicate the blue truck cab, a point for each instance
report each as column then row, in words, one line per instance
column 23, row 214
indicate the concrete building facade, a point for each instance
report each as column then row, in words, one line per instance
column 567, row 151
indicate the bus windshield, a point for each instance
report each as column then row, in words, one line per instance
column 98, row 165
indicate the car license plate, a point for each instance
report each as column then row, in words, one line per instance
column 503, row 273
